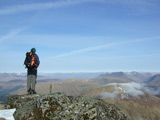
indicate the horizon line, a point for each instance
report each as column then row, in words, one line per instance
column 85, row 72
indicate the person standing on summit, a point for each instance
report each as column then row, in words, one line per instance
column 31, row 62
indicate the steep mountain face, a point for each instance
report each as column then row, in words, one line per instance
column 58, row 106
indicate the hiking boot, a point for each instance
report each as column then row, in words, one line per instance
column 28, row 92
column 34, row 92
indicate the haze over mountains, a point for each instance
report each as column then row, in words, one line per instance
column 131, row 77
column 41, row 76
column 15, row 81
column 137, row 94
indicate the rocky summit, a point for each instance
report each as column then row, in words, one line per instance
column 58, row 106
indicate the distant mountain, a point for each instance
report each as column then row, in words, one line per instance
column 12, row 76
column 121, row 77
column 153, row 83
column 42, row 76
column 115, row 91
column 140, row 77
column 154, row 79
column 106, row 80
column 18, row 81
column 136, row 99
column 48, row 80
column 114, row 74
column 115, row 77
column 129, row 97
column 78, row 75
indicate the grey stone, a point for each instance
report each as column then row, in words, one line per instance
column 58, row 106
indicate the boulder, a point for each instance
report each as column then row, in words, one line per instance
column 58, row 106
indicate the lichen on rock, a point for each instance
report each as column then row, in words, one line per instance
column 58, row 106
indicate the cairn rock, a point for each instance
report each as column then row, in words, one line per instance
column 2, row 119
column 58, row 106
column 25, row 105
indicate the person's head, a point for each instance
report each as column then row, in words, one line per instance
column 33, row 50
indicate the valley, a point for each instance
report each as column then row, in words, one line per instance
column 136, row 94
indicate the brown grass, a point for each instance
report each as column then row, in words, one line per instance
column 1, row 107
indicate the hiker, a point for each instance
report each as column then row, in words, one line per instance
column 31, row 62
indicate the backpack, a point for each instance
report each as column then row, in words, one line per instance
column 29, row 61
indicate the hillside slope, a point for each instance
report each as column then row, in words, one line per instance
column 133, row 101
column 69, row 87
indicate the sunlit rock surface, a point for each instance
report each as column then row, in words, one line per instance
column 58, row 106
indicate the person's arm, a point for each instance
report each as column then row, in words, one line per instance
column 37, row 62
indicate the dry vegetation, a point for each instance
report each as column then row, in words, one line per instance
column 138, row 111
column 69, row 87
column 1, row 107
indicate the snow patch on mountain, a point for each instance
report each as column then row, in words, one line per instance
column 7, row 114
column 123, row 90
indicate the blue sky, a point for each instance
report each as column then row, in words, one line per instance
column 81, row 35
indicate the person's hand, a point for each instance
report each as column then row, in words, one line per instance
column 28, row 66
column 34, row 65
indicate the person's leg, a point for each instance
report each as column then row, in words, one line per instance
column 33, row 80
column 28, row 83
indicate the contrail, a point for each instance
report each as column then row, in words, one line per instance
column 12, row 34
column 41, row 6
column 100, row 47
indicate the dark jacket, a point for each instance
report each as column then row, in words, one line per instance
column 33, row 70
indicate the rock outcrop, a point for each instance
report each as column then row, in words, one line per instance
column 58, row 106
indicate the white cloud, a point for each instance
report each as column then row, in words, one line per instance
column 146, row 6
column 41, row 6
column 12, row 34
column 129, row 89
column 125, row 90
